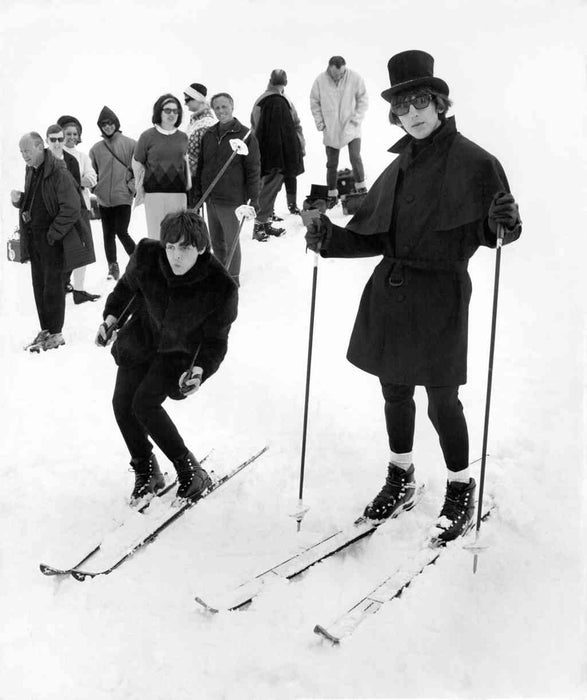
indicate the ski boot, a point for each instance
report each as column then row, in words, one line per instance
column 36, row 345
column 293, row 209
column 192, row 478
column 113, row 271
column 272, row 230
column 397, row 494
column 148, row 480
column 259, row 233
column 456, row 516
column 276, row 218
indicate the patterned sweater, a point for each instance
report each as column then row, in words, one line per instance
column 164, row 160
column 199, row 123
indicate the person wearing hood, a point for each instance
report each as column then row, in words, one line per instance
column 115, row 189
column 201, row 118
column 239, row 183
column 72, row 131
column 276, row 86
column 427, row 214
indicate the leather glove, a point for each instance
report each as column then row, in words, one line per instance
column 106, row 334
column 316, row 231
column 190, row 381
column 503, row 210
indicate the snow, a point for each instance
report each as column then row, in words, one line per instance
column 514, row 629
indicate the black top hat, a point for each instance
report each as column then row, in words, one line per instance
column 412, row 69
column 318, row 192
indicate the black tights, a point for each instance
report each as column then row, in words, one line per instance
column 444, row 410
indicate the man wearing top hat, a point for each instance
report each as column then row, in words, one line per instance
column 426, row 214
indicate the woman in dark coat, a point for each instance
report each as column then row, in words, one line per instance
column 183, row 304
column 427, row 214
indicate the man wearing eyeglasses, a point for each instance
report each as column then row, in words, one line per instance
column 115, row 190
column 49, row 209
column 427, row 214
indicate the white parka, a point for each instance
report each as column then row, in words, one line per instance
column 339, row 108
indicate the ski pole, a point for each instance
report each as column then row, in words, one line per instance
column 301, row 509
column 235, row 242
column 218, row 175
column 475, row 547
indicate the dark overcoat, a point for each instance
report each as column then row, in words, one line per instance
column 173, row 315
column 278, row 139
column 69, row 228
column 427, row 215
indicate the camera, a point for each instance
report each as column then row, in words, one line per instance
column 26, row 217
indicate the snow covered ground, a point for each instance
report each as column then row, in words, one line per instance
column 517, row 627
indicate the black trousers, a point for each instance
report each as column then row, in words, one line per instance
column 48, row 281
column 139, row 393
column 444, row 410
column 115, row 221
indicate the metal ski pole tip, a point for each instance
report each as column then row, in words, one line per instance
column 299, row 514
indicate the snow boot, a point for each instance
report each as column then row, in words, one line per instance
column 36, row 343
column 259, row 233
column 293, row 209
column 276, row 218
column 397, row 494
column 272, row 230
column 53, row 341
column 148, row 480
column 113, row 271
column 456, row 516
column 192, row 478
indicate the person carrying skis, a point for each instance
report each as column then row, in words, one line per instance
column 183, row 303
column 427, row 214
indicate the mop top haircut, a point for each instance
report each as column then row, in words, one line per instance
column 54, row 129
column 187, row 228
column 158, row 109
column 442, row 102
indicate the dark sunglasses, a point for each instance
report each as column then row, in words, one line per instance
column 170, row 110
column 107, row 122
column 187, row 99
column 54, row 139
column 419, row 102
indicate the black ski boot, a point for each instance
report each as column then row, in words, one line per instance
column 397, row 494
column 293, row 209
column 276, row 218
column 456, row 516
column 148, row 480
column 113, row 271
column 273, row 230
column 259, row 233
column 192, row 478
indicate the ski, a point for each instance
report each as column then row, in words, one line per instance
column 298, row 563
column 143, row 527
column 390, row 588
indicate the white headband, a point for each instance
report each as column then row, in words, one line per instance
column 195, row 94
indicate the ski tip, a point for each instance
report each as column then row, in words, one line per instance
column 50, row 571
column 81, row 575
column 325, row 634
column 205, row 605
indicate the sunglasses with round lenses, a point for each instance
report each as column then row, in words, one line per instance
column 54, row 139
column 170, row 110
column 419, row 102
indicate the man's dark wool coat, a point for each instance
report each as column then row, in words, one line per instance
column 70, row 227
column 173, row 315
column 427, row 215
column 278, row 140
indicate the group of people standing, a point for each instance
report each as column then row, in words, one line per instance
column 425, row 216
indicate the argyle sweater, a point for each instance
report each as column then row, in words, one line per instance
column 164, row 160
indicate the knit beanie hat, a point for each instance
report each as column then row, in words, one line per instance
column 67, row 120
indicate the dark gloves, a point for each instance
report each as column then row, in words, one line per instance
column 503, row 210
column 318, row 229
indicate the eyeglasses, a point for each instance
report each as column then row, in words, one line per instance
column 170, row 110
column 419, row 101
column 54, row 139
column 106, row 122
column 187, row 99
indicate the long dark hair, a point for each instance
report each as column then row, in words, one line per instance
column 442, row 102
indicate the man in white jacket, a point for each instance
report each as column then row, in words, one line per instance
column 338, row 101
